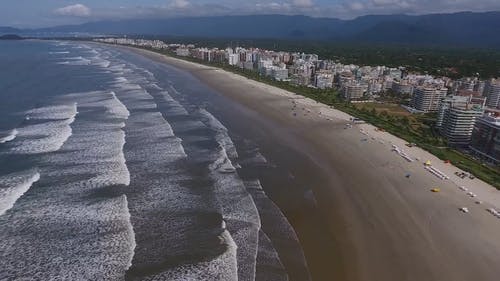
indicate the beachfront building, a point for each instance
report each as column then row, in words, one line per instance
column 353, row 91
column 427, row 99
column 233, row 59
column 457, row 116
column 402, row 87
column 323, row 79
column 492, row 92
column 486, row 138
column 182, row 52
column 279, row 73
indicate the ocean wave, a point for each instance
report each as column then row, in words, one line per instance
column 66, row 239
column 13, row 186
column 10, row 136
column 276, row 226
column 99, row 144
column 269, row 265
column 79, row 62
column 59, row 53
column 82, row 228
column 101, row 62
column 174, row 108
column 129, row 232
column 221, row 131
column 224, row 267
column 57, row 111
column 46, row 130
column 237, row 206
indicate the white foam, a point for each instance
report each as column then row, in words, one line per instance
column 102, row 63
column 175, row 108
column 222, row 136
column 129, row 232
column 48, row 134
column 13, row 186
column 76, row 61
column 155, row 86
column 269, row 265
column 238, row 208
column 223, row 267
column 278, row 229
column 58, row 111
column 118, row 109
column 59, row 53
column 10, row 137
column 121, row 80
column 99, row 143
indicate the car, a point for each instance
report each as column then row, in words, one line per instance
column 471, row 194
column 464, row 209
column 463, row 188
column 492, row 211
column 436, row 189
column 479, row 202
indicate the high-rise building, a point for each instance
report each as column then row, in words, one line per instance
column 486, row 138
column 402, row 87
column 352, row 91
column 234, row 59
column 427, row 99
column 279, row 73
column 457, row 116
column 323, row 79
column 492, row 93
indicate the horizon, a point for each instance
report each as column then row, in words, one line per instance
column 33, row 14
column 246, row 15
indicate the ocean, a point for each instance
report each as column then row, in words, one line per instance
column 116, row 167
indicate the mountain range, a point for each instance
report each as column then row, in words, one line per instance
column 456, row 29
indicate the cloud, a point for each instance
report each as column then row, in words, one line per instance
column 179, row 4
column 356, row 6
column 303, row 3
column 77, row 10
column 344, row 9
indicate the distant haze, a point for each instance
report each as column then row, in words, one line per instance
column 36, row 13
column 459, row 29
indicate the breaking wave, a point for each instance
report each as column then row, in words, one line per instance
column 13, row 186
column 45, row 130
column 10, row 137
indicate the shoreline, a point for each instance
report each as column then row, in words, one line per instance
column 490, row 194
column 387, row 226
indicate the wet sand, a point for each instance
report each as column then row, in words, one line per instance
column 381, row 224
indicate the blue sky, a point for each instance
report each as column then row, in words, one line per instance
column 35, row 13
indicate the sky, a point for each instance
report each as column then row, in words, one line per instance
column 43, row 13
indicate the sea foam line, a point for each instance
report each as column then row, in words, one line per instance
column 237, row 205
column 47, row 136
column 59, row 53
column 130, row 232
column 13, row 187
column 11, row 136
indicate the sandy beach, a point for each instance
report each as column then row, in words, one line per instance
column 385, row 225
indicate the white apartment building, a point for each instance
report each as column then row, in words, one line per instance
column 457, row 116
column 428, row 99
column 492, row 92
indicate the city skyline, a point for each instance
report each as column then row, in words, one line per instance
column 33, row 13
